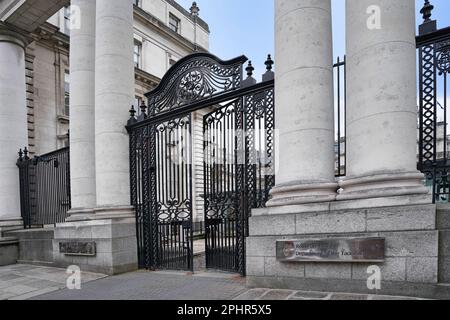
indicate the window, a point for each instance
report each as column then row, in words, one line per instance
column 174, row 23
column 67, row 20
column 67, row 93
column 137, row 54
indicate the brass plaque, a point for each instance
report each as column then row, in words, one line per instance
column 332, row 250
column 78, row 248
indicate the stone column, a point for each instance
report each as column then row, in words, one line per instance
column 82, row 110
column 304, row 103
column 114, row 92
column 112, row 226
column 381, row 101
column 13, row 123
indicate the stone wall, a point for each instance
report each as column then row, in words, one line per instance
column 411, row 248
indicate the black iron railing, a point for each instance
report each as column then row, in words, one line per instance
column 44, row 187
column 433, row 47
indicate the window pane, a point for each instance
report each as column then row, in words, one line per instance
column 174, row 23
column 66, row 93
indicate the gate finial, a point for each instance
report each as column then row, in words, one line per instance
column 428, row 25
column 426, row 11
column 250, row 69
column 250, row 81
column 25, row 153
column 132, row 119
column 269, row 75
column 269, row 63
column 143, row 114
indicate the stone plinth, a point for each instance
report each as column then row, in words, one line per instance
column 411, row 253
column 114, row 235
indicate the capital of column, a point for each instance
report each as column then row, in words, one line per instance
column 7, row 34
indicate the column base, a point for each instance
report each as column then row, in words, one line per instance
column 382, row 186
column 111, row 231
column 100, row 213
column 10, row 225
column 297, row 194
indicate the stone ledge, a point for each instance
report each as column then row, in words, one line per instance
column 397, row 218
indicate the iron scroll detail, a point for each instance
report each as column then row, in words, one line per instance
column 194, row 78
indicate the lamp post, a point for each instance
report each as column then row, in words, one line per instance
column 194, row 12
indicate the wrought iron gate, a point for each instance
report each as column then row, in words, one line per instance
column 238, row 174
column 238, row 160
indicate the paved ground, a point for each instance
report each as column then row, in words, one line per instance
column 20, row 282
column 143, row 285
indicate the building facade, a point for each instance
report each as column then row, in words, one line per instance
column 164, row 32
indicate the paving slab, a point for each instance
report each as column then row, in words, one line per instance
column 20, row 282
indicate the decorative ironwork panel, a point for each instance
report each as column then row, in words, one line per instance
column 434, row 66
column 197, row 77
column 259, row 147
column 428, row 111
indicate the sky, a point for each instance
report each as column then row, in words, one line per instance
column 247, row 26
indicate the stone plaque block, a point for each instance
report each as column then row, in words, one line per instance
column 78, row 248
column 332, row 250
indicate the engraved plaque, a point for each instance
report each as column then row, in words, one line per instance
column 78, row 248
column 332, row 250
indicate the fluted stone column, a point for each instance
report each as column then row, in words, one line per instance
column 82, row 110
column 13, row 123
column 304, row 94
column 381, row 101
column 114, row 92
